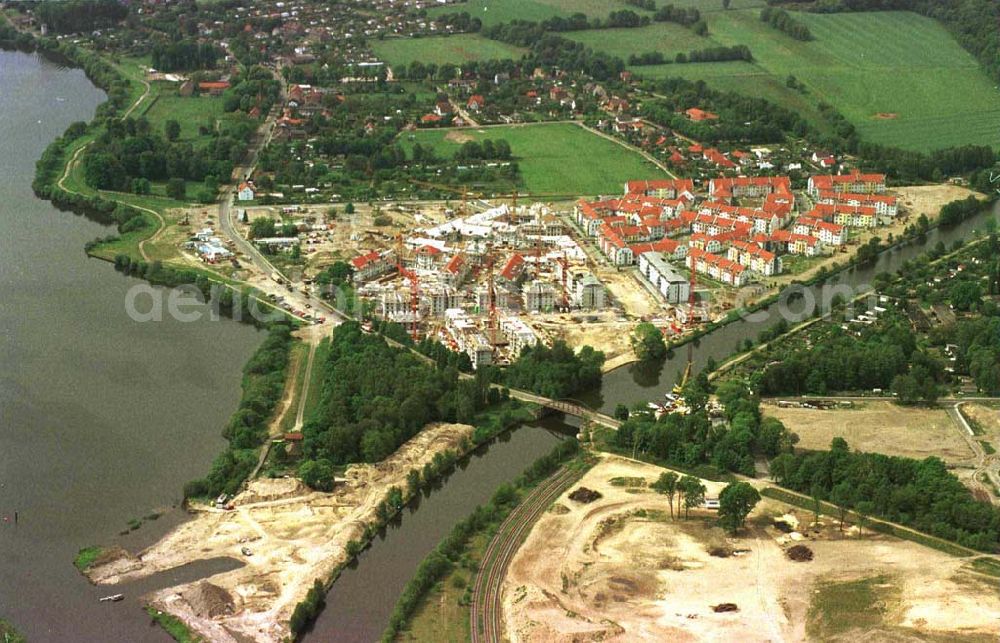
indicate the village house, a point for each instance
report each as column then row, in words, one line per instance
column 245, row 192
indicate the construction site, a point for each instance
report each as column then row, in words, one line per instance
column 489, row 278
column 618, row 564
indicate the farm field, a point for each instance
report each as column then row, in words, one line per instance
column 558, row 158
column 440, row 50
column 900, row 78
column 665, row 37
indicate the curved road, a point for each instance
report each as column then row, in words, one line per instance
column 486, row 612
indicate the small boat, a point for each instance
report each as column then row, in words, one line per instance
column 114, row 598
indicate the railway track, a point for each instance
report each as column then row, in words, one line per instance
column 486, row 610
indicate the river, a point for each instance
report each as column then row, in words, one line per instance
column 102, row 419
column 359, row 604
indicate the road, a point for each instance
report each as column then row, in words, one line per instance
column 986, row 464
column 486, row 612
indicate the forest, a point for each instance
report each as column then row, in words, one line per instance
column 555, row 372
column 79, row 15
column 375, row 397
column 921, row 494
column 185, row 55
column 835, row 360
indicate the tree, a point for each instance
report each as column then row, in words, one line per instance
column 694, row 493
column 177, row 189
column 736, row 502
column 667, row 485
column 842, row 496
column 864, row 509
column 172, row 129
column 647, row 341
column 349, row 208
column 621, row 412
column 318, row 474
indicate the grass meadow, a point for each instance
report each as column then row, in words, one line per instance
column 559, row 159
column 439, row 50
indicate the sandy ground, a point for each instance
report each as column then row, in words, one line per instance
column 988, row 418
column 881, row 427
column 625, row 288
column 295, row 536
column 599, row 572
column 604, row 332
column 928, row 199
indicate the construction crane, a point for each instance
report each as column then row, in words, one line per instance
column 414, row 287
column 564, row 263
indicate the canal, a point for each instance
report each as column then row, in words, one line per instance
column 102, row 419
column 360, row 603
column 637, row 383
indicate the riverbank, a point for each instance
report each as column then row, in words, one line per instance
column 293, row 536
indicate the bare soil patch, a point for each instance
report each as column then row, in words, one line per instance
column 620, row 569
column 881, row 427
column 458, row 136
column 886, row 116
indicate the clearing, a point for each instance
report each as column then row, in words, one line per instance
column 621, row 569
column 879, row 427
column 556, row 159
column 295, row 535
column 439, row 50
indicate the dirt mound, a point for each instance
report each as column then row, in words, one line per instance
column 725, row 607
column 799, row 553
column 886, row 116
column 458, row 137
column 585, row 495
column 209, row 601
column 720, row 552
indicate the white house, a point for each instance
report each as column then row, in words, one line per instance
column 246, row 192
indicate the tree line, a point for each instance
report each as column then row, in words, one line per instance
column 784, row 22
column 920, row 494
column 709, row 54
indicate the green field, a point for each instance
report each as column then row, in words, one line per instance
column 439, row 50
column 497, row 11
column 555, row 159
column 900, row 78
column 191, row 113
column 666, row 37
